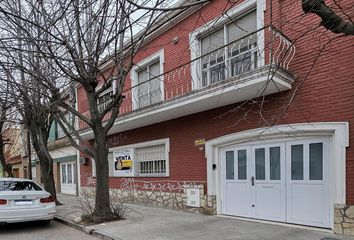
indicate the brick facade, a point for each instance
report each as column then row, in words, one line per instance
column 323, row 92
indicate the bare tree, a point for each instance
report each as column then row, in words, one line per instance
column 91, row 44
column 33, row 106
column 25, row 69
column 5, row 107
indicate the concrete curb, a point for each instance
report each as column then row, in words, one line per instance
column 87, row 230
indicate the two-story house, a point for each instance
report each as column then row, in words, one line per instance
column 233, row 109
column 64, row 160
column 64, row 155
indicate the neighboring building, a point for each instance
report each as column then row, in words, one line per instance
column 64, row 160
column 13, row 151
column 241, row 129
column 63, row 154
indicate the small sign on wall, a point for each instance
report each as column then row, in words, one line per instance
column 123, row 162
column 199, row 142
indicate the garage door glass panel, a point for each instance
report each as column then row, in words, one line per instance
column 297, row 162
column 260, row 163
column 274, row 153
column 242, row 164
column 316, row 161
column 230, row 173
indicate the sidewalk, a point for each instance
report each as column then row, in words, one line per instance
column 164, row 224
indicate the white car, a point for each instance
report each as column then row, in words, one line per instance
column 22, row 200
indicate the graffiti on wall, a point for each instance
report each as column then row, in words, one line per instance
column 162, row 186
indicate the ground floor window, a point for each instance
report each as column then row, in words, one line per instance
column 140, row 159
column 151, row 160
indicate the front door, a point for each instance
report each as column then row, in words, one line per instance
column 285, row 181
column 268, row 182
column 67, row 178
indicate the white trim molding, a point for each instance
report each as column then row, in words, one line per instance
column 134, row 75
column 337, row 131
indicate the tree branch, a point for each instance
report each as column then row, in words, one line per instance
column 330, row 20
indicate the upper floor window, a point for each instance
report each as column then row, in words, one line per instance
column 239, row 54
column 149, row 86
column 69, row 119
column 147, row 81
column 104, row 100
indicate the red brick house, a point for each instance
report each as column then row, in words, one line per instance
column 243, row 115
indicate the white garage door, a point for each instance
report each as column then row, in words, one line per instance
column 286, row 182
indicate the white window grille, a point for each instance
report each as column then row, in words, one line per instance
column 239, row 54
column 149, row 85
column 151, row 160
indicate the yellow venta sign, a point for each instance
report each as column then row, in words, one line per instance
column 126, row 163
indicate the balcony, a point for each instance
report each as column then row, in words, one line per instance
column 232, row 73
column 57, row 137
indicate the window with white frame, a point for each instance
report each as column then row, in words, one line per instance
column 149, row 84
column 104, row 100
column 148, row 81
column 151, row 160
column 239, row 54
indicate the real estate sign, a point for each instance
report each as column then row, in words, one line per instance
column 123, row 162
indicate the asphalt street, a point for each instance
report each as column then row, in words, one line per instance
column 40, row 231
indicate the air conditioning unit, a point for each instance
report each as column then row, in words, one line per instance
column 193, row 197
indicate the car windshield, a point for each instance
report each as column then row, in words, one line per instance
column 19, row 186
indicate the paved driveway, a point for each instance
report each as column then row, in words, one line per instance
column 164, row 224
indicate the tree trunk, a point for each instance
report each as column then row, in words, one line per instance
column 47, row 174
column 45, row 162
column 102, row 205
